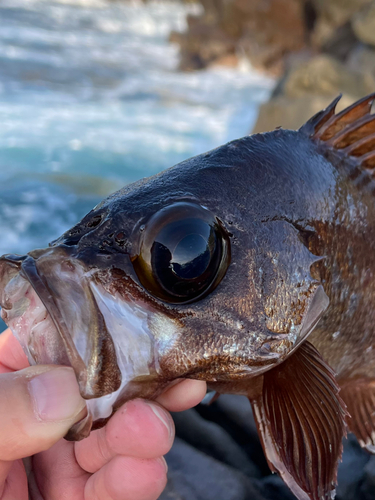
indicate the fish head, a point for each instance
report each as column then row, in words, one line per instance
column 185, row 274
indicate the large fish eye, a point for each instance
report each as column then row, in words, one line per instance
column 183, row 253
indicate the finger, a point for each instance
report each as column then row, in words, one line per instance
column 139, row 428
column 4, row 471
column 57, row 473
column 184, row 395
column 15, row 486
column 12, row 357
column 38, row 405
column 127, row 478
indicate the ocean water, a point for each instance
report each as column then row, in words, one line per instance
column 90, row 99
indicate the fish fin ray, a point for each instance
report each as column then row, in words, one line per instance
column 359, row 396
column 347, row 138
column 327, row 124
column 293, row 427
column 315, row 123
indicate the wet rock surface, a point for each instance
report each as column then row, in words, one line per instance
column 342, row 60
column 263, row 31
column 364, row 24
column 309, row 86
column 270, row 32
column 317, row 48
column 217, row 456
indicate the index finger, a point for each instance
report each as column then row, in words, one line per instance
column 183, row 395
column 12, row 357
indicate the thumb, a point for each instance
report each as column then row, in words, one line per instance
column 38, row 405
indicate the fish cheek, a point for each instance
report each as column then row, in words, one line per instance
column 293, row 300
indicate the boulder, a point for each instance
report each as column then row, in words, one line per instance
column 269, row 32
column 332, row 14
column 323, row 75
column 363, row 24
column 265, row 31
column 362, row 61
column 217, row 456
column 204, row 43
column 289, row 112
column 310, row 86
column 338, row 12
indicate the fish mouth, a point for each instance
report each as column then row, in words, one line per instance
column 62, row 314
column 47, row 302
column 27, row 316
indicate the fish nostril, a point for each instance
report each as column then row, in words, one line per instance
column 95, row 221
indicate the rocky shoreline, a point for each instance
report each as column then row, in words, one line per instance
column 317, row 49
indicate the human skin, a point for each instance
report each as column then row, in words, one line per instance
column 122, row 461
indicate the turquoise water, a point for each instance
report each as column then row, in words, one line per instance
column 90, row 99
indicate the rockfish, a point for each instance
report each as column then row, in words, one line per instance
column 251, row 267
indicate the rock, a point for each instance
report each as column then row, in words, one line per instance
column 272, row 488
column 331, row 15
column 324, row 75
column 364, row 24
column 362, row 61
column 338, row 12
column 269, row 32
column 368, row 486
column 352, row 470
column 265, row 31
column 214, row 441
column 288, row 113
column 200, row 468
column 341, row 43
column 310, row 86
column 204, row 44
column 194, row 476
column 292, row 113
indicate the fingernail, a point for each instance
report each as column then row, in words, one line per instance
column 164, row 417
column 162, row 461
column 55, row 395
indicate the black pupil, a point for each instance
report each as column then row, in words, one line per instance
column 184, row 255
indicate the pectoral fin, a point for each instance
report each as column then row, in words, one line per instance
column 301, row 423
column 359, row 395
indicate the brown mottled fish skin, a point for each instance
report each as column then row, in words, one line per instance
column 295, row 216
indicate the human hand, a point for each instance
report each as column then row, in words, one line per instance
column 122, row 461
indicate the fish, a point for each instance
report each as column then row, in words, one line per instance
column 250, row 267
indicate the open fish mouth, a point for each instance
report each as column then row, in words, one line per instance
column 50, row 294
column 59, row 314
column 26, row 315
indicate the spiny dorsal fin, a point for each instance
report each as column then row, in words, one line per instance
column 350, row 132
